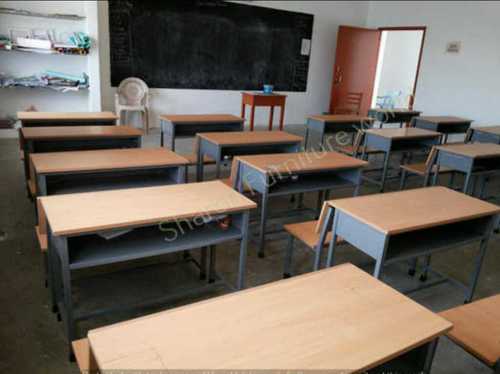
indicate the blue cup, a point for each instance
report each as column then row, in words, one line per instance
column 268, row 88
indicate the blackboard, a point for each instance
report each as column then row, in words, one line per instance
column 209, row 45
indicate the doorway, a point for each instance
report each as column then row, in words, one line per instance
column 378, row 66
column 399, row 56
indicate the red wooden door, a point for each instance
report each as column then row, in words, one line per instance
column 355, row 65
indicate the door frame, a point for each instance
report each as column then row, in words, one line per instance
column 411, row 28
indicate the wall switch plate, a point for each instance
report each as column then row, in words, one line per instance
column 453, row 47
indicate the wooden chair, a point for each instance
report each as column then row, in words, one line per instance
column 351, row 104
column 356, row 149
column 476, row 328
column 306, row 233
column 424, row 169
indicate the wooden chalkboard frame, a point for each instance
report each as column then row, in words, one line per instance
column 207, row 44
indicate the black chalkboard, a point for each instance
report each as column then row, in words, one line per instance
column 208, row 45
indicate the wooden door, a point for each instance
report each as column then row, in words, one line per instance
column 355, row 66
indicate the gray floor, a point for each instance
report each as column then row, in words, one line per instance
column 32, row 341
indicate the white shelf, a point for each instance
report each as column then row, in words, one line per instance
column 27, row 13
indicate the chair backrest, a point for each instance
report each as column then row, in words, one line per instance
column 133, row 91
column 430, row 160
column 351, row 104
column 358, row 142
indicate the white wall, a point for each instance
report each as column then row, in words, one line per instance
column 464, row 84
column 18, row 63
column 397, row 65
column 327, row 17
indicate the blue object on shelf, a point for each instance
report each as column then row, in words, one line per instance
column 268, row 88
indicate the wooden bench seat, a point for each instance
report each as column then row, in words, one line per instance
column 229, row 182
column 352, row 150
column 421, row 168
column 193, row 159
column 306, row 233
column 476, row 328
column 84, row 359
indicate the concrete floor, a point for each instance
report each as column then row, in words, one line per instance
column 32, row 341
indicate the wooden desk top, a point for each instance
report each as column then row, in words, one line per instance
column 444, row 120
column 476, row 327
column 262, row 94
column 341, row 118
column 489, row 129
column 106, row 159
column 404, row 211
column 95, row 211
column 65, row 116
column 250, row 137
column 79, row 132
column 394, row 110
column 334, row 319
column 301, row 162
column 473, row 150
column 180, row 119
column 404, row 133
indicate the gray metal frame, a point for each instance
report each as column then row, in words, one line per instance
column 466, row 165
column 389, row 146
column 481, row 136
column 445, row 129
column 169, row 129
column 268, row 186
column 319, row 129
column 386, row 117
column 386, row 249
column 220, row 152
column 89, row 252
column 61, row 145
column 65, row 122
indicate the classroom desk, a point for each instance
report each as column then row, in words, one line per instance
column 220, row 146
column 397, row 140
column 404, row 225
column 255, row 99
column 335, row 321
column 394, row 115
column 295, row 173
column 485, row 134
column 35, row 119
column 320, row 125
column 188, row 125
column 471, row 158
column 63, row 138
column 163, row 220
column 83, row 171
column 444, row 124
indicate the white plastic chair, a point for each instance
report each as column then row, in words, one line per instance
column 132, row 95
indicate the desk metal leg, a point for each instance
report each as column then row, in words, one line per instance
column 211, row 263
column 287, row 273
column 67, row 300
column 477, row 269
column 282, row 117
column 243, row 250
column 252, row 116
column 331, row 248
column 427, row 265
column 467, row 181
column 431, row 351
column 199, row 164
column 263, row 217
column 385, row 170
column 203, row 263
column 379, row 264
